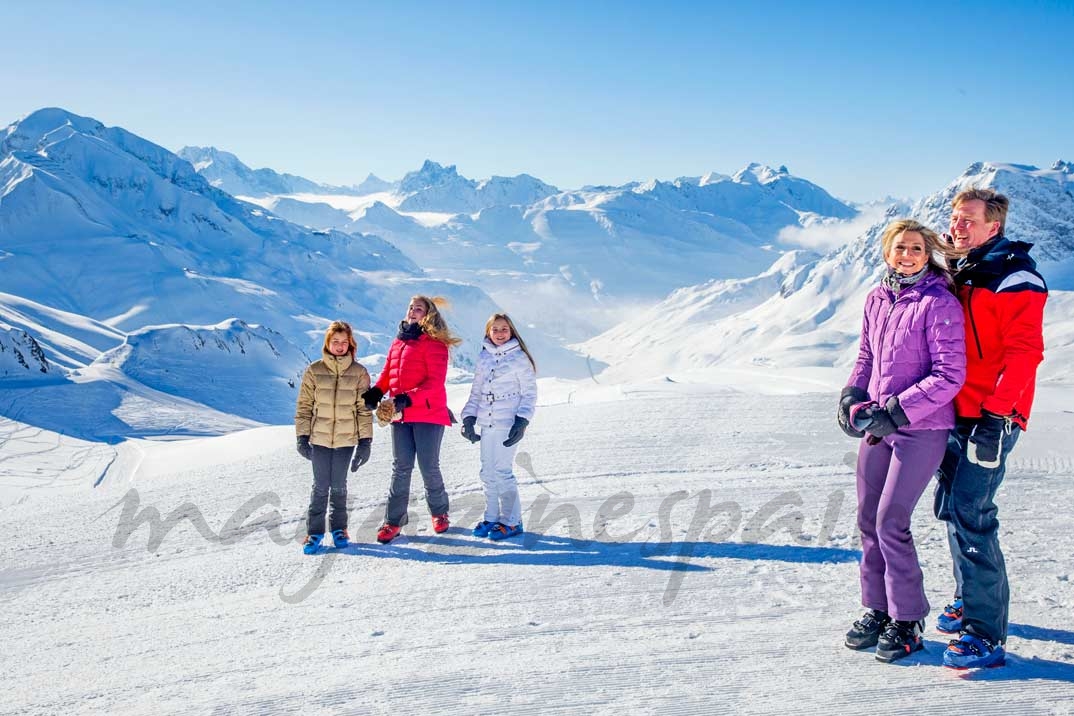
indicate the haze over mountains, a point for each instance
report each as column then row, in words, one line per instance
column 184, row 293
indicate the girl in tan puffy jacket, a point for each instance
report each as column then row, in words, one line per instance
column 330, row 419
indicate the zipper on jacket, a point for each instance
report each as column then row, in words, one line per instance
column 973, row 323
column 883, row 330
column 335, row 393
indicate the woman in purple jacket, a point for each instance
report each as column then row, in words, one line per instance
column 911, row 363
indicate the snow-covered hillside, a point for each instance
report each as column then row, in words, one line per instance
column 249, row 371
column 68, row 339
column 815, row 319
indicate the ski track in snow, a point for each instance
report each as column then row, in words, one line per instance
column 658, row 606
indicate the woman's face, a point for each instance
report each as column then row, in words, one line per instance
column 339, row 344
column 908, row 254
column 416, row 311
column 499, row 332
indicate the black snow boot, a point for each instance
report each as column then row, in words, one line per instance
column 866, row 630
column 900, row 639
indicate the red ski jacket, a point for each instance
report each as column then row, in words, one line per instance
column 1003, row 298
column 418, row 367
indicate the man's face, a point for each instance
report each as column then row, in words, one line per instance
column 969, row 228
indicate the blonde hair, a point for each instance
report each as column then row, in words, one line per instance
column 434, row 324
column 935, row 247
column 996, row 204
column 340, row 327
column 514, row 334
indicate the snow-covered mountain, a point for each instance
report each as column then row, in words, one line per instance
column 100, row 222
column 792, row 191
column 583, row 258
column 103, row 233
column 21, row 358
column 591, row 256
column 813, row 317
column 226, row 172
column 441, row 189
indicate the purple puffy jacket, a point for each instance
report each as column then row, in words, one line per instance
column 913, row 347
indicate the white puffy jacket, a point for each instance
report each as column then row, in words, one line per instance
column 505, row 385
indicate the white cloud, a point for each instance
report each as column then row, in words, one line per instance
column 826, row 234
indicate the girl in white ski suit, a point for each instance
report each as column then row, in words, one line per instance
column 502, row 401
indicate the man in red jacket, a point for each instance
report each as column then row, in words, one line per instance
column 1002, row 296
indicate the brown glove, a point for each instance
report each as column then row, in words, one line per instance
column 386, row 413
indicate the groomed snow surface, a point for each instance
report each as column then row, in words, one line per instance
column 689, row 549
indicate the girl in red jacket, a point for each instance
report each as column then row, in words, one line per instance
column 414, row 375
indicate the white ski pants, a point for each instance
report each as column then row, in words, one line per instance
column 498, row 477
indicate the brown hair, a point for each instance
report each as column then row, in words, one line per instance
column 340, row 327
column 434, row 324
column 514, row 334
column 934, row 246
column 996, row 204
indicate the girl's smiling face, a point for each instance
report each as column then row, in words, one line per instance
column 339, row 344
column 499, row 332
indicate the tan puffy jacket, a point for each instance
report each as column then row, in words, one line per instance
column 330, row 408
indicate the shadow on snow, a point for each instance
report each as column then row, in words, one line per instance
column 556, row 550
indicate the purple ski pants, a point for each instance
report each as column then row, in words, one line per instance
column 892, row 475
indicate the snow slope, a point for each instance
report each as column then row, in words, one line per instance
column 702, row 559
column 250, row 371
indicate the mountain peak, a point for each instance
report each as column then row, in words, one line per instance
column 712, row 178
column 29, row 131
column 431, row 174
column 754, row 173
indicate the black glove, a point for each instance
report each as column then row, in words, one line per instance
column 884, row 421
column 468, row 429
column 402, row 401
column 985, row 439
column 849, row 397
column 361, row 453
column 517, row 431
column 303, row 446
column 372, row 397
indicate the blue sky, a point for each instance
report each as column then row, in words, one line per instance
column 865, row 102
